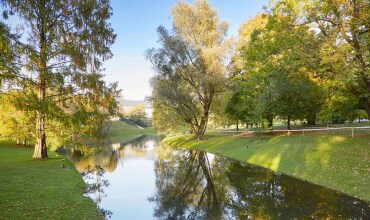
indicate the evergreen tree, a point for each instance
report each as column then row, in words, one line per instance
column 63, row 46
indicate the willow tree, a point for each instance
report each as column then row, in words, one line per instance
column 190, row 65
column 64, row 44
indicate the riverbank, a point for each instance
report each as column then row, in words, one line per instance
column 334, row 161
column 52, row 188
column 122, row 132
column 41, row 189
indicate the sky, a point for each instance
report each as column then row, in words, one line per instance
column 135, row 23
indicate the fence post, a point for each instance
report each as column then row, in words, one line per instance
column 353, row 131
column 260, row 135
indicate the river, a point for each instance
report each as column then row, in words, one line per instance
column 144, row 179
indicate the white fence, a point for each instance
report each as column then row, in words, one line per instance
column 344, row 131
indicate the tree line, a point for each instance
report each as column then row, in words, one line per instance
column 296, row 60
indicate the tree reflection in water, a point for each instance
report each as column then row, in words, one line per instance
column 263, row 194
column 93, row 166
column 186, row 189
column 196, row 185
column 108, row 156
column 95, row 185
column 192, row 185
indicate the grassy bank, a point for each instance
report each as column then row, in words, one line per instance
column 48, row 189
column 122, row 132
column 334, row 161
column 42, row 189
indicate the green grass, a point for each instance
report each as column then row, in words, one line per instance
column 338, row 162
column 48, row 189
column 41, row 189
column 122, row 132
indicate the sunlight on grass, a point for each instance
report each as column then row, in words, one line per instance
column 337, row 162
column 41, row 189
column 338, row 139
column 275, row 162
column 320, row 155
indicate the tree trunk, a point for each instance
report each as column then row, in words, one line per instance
column 237, row 125
column 365, row 103
column 203, row 124
column 288, row 121
column 311, row 120
column 202, row 128
column 270, row 121
column 40, row 146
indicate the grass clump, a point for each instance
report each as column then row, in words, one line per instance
column 334, row 161
column 41, row 189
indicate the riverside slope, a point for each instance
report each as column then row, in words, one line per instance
column 334, row 161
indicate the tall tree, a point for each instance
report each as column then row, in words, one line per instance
column 343, row 30
column 276, row 66
column 244, row 104
column 190, row 65
column 64, row 44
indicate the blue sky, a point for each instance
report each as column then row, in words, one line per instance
column 135, row 23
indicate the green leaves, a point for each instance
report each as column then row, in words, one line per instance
column 276, row 80
column 300, row 55
column 8, row 56
column 61, row 53
column 341, row 29
column 190, row 67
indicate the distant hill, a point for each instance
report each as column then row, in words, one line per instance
column 130, row 103
column 126, row 104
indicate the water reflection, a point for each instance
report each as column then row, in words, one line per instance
column 192, row 185
column 187, row 188
column 258, row 193
column 94, row 178
column 107, row 165
column 143, row 179
column 108, row 156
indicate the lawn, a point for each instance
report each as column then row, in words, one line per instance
column 41, row 189
column 335, row 161
column 122, row 132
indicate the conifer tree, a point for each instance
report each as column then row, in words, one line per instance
column 63, row 45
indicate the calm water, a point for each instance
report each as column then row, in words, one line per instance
column 144, row 179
